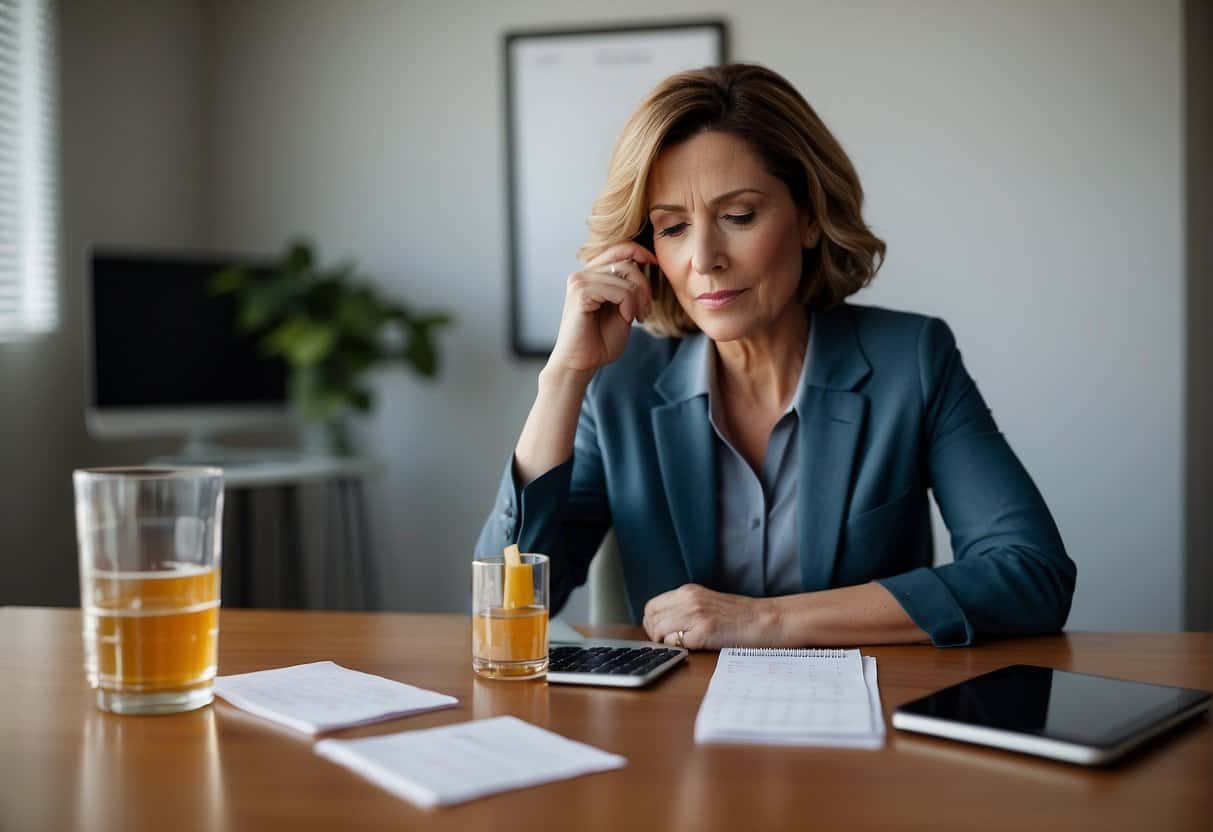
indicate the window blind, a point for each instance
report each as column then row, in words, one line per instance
column 28, row 162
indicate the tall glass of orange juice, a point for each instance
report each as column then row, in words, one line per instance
column 149, row 545
column 510, row 617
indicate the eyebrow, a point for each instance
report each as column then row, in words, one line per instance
column 719, row 199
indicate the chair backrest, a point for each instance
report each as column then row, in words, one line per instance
column 608, row 598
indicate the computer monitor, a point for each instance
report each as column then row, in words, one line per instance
column 164, row 355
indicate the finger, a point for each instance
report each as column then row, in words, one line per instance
column 659, row 603
column 620, row 278
column 661, row 626
column 623, row 251
column 676, row 610
column 592, row 290
column 690, row 638
column 667, row 613
column 627, row 269
column 651, row 633
column 630, row 270
column 653, row 629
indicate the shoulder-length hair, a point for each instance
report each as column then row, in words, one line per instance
column 761, row 107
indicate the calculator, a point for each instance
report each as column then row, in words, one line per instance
column 614, row 662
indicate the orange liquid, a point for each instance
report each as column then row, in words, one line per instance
column 511, row 635
column 152, row 631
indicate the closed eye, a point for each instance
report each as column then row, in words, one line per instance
column 677, row 229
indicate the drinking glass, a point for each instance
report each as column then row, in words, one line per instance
column 510, row 617
column 149, row 541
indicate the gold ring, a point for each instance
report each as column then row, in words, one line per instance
column 678, row 638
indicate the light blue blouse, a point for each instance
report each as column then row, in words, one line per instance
column 756, row 514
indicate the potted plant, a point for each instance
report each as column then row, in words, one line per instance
column 330, row 329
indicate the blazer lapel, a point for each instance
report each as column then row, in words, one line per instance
column 688, row 471
column 687, row 458
column 830, row 429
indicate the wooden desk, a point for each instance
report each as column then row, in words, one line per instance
column 66, row 766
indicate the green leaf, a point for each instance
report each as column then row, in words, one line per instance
column 298, row 258
column 302, row 341
column 420, row 353
column 434, row 319
column 397, row 312
column 357, row 313
column 231, row 279
column 265, row 302
column 354, row 356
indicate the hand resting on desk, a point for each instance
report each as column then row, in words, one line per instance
column 709, row 620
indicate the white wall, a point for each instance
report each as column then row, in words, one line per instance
column 131, row 155
column 1023, row 161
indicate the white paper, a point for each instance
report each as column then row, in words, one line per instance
column 827, row 698
column 456, row 763
column 324, row 696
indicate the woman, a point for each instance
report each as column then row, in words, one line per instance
column 762, row 448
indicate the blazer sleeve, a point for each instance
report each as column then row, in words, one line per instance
column 1011, row 574
column 563, row 513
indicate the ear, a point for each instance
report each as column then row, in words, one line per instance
column 810, row 231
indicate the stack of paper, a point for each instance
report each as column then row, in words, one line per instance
column 457, row 763
column 792, row 697
column 323, row 696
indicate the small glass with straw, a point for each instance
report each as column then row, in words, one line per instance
column 510, row 615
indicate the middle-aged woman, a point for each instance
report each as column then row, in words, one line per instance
column 762, row 448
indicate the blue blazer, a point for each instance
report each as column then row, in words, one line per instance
column 891, row 413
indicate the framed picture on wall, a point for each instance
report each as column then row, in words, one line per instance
column 568, row 95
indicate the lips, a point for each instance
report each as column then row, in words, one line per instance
column 717, row 300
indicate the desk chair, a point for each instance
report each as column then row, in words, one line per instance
column 608, row 598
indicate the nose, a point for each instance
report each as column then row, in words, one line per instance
column 707, row 254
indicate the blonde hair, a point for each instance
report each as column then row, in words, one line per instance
column 762, row 108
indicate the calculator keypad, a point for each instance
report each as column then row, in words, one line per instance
column 615, row 661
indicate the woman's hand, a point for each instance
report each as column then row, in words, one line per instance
column 600, row 303
column 710, row 620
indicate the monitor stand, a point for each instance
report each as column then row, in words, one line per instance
column 203, row 449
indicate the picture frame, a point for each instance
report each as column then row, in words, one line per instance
column 568, row 94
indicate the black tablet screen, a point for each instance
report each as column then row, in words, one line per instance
column 1089, row 710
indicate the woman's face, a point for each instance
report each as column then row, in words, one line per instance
column 727, row 235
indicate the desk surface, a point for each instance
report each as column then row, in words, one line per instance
column 66, row 766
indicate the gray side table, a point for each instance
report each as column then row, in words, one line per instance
column 296, row 535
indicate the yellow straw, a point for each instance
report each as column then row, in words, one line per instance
column 519, row 590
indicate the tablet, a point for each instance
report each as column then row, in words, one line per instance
column 1073, row 717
